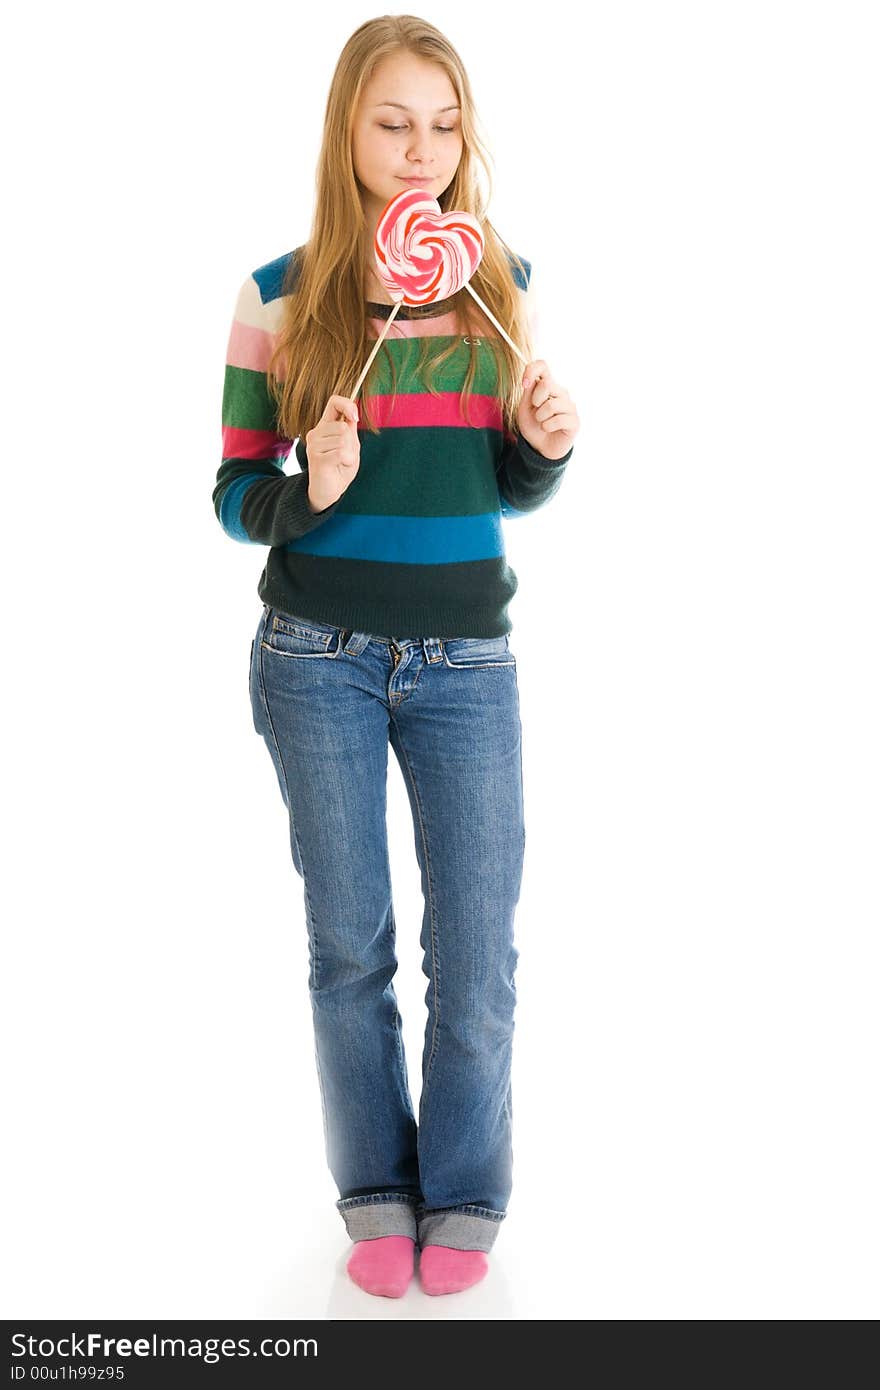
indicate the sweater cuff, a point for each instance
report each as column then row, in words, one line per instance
column 295, row 514
column 532, row 456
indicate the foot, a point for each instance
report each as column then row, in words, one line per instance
column 383, row 1266
column 444, row 1270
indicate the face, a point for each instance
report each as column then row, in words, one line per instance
column 391, row 145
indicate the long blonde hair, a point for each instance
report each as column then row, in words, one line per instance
column 323, row 328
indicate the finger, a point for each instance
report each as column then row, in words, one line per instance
column 533, row 372
column 548, row 387
column 340, row 405
column 559, row 422
column 336, row 430
column 331, row 438
column 552, row 405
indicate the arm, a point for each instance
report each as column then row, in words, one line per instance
column 255, row 501
column 526, row 479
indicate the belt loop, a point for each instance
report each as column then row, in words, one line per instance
column 433, row 649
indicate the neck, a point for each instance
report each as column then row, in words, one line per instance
column 374, row 290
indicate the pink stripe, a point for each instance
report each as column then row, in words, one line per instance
column 253, row 444
column 421, row 408
column 444, row 326
column 249, row 347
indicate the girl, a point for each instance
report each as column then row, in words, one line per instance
column 384, row 619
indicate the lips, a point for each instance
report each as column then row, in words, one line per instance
column 405, row 179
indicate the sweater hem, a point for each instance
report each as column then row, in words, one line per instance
column 397, row 621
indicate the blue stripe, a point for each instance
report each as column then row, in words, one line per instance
column 518, row 280
column 270, row 277
column 405, row 540
column 230, row 507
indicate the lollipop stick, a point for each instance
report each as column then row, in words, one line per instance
column 379, row 340
column 490, row 315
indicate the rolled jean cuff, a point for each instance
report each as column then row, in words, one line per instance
column 460, row 1228
column 368, row 1218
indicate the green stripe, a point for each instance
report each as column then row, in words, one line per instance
column 246, row 401
column 404, row 353
column 424, row 470
column 248, row 404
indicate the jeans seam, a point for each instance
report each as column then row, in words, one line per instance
column 310, row 925
column 378, row 1199
column 398, row 1021
column 478, row 1213
column 435, row 972
column 310, row 914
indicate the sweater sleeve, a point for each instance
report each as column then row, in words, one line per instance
column 255, row 501
column 526, row 479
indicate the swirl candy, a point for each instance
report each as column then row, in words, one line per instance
column 423, row 254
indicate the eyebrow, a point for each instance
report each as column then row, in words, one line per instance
column 400, row 107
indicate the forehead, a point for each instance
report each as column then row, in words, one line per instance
column 405, row 80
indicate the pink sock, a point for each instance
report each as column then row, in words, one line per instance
column 444, row 1270
column 383, row 1266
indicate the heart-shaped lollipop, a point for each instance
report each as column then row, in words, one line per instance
column 423, row 254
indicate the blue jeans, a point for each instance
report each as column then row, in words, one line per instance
column 327, row 701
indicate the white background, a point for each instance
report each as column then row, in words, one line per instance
column 696, row 631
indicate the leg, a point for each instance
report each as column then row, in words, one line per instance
column 457, row 737
column 327, row 734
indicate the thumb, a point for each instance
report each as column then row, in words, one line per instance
column 341, row 408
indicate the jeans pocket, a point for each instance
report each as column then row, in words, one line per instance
column 464, row 652
column 286, row 634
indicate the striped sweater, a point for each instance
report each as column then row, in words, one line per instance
column 414, row 547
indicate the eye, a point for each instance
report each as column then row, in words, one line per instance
column 443, row 129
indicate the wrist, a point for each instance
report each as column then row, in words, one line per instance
column 538, row 454
column 317, row 505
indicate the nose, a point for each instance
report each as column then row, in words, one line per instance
column 417, row 153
